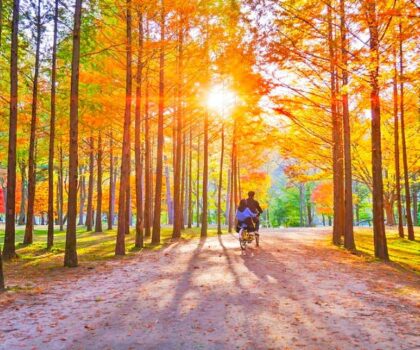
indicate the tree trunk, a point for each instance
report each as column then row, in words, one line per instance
column 301, row 204
column 98, row 221
column 148, row 166
column 125, row 157
column 169, row 202
column 70, row 256
column 50, row 235
column 111, row 200
column 61, row 191
column 397, row 149
column 82, row 196
column 219, row 193
column 137, row 139
column 198, row 182
column 410, row 228
column 22, row 209
column 190, row 204
column 160, row 136
column 28, row 238
column 89, row 211
column 9, row 251
column 415, row 203
column 389, row 211
column 337, row 137
column 381, row 249
column 227, row 212
column 204, row 219
column 348, row 191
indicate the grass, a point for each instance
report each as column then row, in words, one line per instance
column 35, row 259
column 401, row 251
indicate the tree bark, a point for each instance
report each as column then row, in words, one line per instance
column 381, row 249
column 22, row 209
column 61, row 191
column 410, row 228
column 89, row 211
column 397, row 149
column 82, row 196
column 70, row 255
column 125, row 157
column 111, row 199
column 50, row 234
column 160, row 136
column 348, row 191
column 219, row 193
column 148, row 166
column 337, row 137
column 9, row 251
column 98, row 221
column 198, row 183
column 190, row 204
column 137, row 139
column 204, row 216
column 28, row 238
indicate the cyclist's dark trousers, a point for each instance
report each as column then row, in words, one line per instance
column 257, row 224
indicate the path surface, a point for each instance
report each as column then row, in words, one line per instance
column 294, row 292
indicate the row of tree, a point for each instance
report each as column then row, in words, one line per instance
column 346, row 65
column 120, row 122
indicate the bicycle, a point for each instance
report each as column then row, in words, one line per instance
column 246, row 237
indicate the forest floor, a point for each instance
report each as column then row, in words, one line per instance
column 295, row 291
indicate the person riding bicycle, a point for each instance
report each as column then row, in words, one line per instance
column 254, row 206
column 245, row 218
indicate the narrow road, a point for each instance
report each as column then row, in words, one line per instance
column 293, row 292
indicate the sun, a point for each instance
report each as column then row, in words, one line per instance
column 220, row 99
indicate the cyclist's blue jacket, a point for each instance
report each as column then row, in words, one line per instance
column 243, row 215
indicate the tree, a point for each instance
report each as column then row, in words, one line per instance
column 125, row 157
column 381, row 249
column 98, row 221
column 160, row 138
column 31, row 161
column 9, row 251
column 70, row 255
column 50, row 239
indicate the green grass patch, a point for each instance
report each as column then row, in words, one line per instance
column 401, row 251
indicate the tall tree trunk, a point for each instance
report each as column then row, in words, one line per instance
column 9, row 251
column 125, row 158
column 337, row 134
column 89, row 211
column 70, row 255
column 389, row 210
column 219, row 193
column 178, row 139
column 159, row 155
column 22, row 209
column 190, row 204
column 397, row 149
column 227, row 211
column 111, row 199
column 50, row 235
column 204, row 219
column 348, row 191
column 198, row 183
column 183, row 179
column 61, row 191
column 381, row 249
column 82, row 196
column 231, row 185
column 148, row 166
column 301, row 204
column 410, row 228
column 28, row 238
column 169, row 202
column 98, row 221
column 137, row 139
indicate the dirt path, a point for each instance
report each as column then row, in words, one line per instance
column 293, row 292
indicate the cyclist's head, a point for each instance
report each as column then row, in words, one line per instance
column 251, row 194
